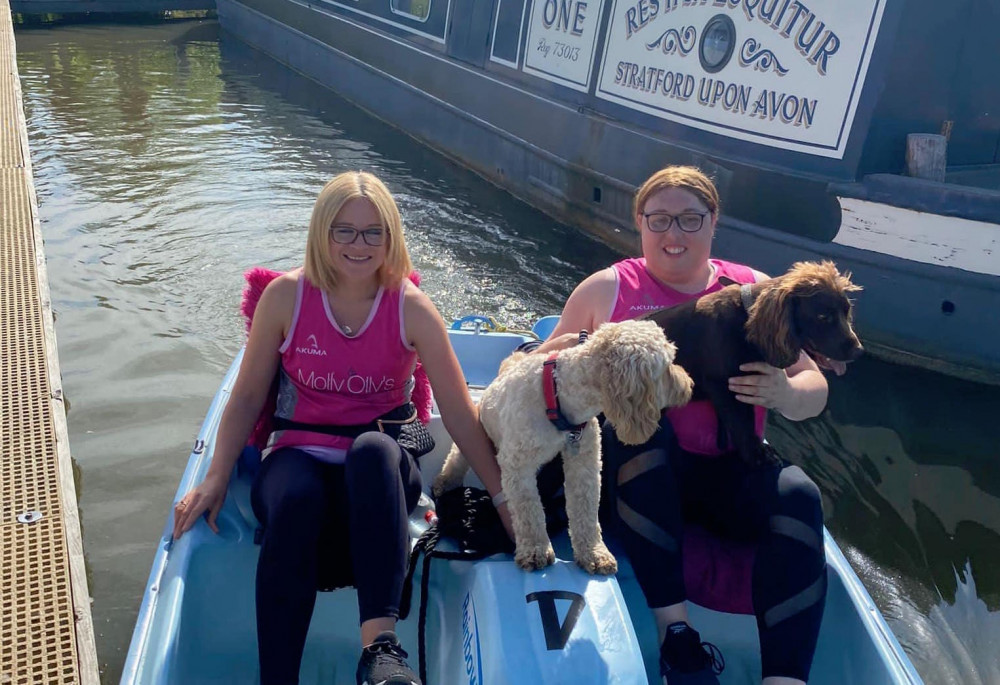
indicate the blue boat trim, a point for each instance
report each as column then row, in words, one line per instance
column 193, row 472
column 895, row 657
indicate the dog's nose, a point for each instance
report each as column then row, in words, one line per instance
column 855, row 351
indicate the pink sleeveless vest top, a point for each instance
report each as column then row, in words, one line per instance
column 328, row 377
column 638, row 293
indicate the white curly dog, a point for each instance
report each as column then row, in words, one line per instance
column 624, row 370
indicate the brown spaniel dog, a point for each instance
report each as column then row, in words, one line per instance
column 772, row 321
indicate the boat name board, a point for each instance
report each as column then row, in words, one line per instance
column 562, row 35
column 782, row 73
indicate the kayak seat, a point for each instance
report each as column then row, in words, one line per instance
column 480, row 354
column 544, row 326
column 332, row 574
column 247, row 466
column 717, row 571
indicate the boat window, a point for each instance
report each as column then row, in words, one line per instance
column 416, row 9
column 717, row 42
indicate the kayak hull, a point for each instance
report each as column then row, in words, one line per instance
column 486, row 621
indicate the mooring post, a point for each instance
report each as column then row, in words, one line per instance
column 926, row 156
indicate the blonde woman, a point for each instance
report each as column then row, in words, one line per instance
column 342, row 334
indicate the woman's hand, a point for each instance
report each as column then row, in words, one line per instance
column 798, row 392
column 207, row 497
column 270, row 324
column 559, row 342
column 766, row 386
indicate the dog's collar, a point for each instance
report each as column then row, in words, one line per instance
column 746, row 296
column 552, row 410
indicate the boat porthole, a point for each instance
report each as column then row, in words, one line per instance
column 718, row 39
column 948, row 307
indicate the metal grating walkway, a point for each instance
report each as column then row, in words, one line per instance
column 46, row 631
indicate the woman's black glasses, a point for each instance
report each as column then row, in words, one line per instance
column 345, row 235
column 689, row 222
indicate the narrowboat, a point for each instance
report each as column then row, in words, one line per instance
column 863, row 131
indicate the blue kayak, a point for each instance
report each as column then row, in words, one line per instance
column 486, row 622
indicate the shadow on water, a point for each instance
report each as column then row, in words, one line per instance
column 52, row 20
column 168, row 159
column 954, row 642
column 908, row 464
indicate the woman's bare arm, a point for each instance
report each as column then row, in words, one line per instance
column 427, row 333
column 587, row 308
column 260, row 364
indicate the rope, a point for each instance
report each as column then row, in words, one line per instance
column 490, row 325
column 519, row 331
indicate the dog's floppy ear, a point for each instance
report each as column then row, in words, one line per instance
column 771, row 326
column 677, row 385
column 631, row 373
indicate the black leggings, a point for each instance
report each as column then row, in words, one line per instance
column 314, row 513
column 652, row 489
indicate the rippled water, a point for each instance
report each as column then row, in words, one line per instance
column 168, row 159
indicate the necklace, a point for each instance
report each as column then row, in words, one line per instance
column 347, row 329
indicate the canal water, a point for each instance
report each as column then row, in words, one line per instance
column 168, row 158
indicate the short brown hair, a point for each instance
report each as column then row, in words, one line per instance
column 335, row 194
column 688, row 178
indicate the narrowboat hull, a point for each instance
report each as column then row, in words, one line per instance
column 577, row 149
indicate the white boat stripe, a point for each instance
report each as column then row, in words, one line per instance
column 920, row 236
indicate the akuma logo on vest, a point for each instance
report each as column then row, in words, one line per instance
column 313, row 348
column 648, row 304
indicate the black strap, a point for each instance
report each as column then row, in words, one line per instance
column 399, row 414
column 425, row 545
column 467, row 515
column 282, row 424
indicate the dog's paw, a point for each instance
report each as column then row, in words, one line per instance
column 597, row 560
column 443, row 484
column 534, row 557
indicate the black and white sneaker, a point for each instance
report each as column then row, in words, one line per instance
column 686, row 660
column 383, row 662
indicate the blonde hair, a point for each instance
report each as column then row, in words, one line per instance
column 689, row 178
column 336, row 193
